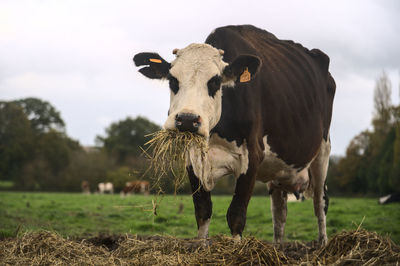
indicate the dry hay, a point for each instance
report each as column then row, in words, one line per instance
column 166, row 151
column 358, row 247
column 219, row 250
column 45, row 248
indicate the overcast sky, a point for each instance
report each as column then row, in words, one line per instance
column 78, row 54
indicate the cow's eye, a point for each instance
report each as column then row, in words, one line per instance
column 214, row 84
column 173, row 84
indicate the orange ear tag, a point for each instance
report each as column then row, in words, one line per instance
column 158, row 61
column 246, row 76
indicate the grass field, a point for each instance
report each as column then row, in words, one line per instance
column 77, row 215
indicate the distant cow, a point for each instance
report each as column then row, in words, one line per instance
column 264, row 105
column 106, row 188
column 391, row 198
column 85, row 187
column 133, row 187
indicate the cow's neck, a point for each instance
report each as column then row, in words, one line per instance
column 223, row 158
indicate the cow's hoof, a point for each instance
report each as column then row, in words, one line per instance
column 201, row 243
column 236, row 239
column 278, row 240
column 322, row 242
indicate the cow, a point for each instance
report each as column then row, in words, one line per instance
column 264, row 105
column 138, row 186
column 106, row 187
column 85, row 186
column 391, row 198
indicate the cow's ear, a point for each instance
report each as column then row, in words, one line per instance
column 243, row 69
column 155, row 66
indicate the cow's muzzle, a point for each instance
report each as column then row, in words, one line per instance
column 187, row 122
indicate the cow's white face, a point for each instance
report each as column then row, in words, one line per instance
column 195, row 79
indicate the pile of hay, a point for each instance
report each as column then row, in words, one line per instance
column 166, row 151
column 219, row 250
column 358, row 247
column 45, row 248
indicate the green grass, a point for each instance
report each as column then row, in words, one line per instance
column 6, row 184
column 84, row 215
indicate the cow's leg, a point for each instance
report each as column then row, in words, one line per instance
column 279, row 213
column 319, row 169
column 236, row 215
column 202, row 204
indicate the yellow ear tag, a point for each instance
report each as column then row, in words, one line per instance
column 246, row 76
column 158, row 61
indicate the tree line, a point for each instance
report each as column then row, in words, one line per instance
column 371, row 165
column 37, row 155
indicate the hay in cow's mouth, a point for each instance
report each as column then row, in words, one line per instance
column 167, row 150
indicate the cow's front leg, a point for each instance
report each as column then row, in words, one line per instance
column 279, row 213
column 236, row 215
column 202, row 204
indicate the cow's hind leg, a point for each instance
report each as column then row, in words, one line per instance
column 279, row 213
column 202, row 204
column 319, row 169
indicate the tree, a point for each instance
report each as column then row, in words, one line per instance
column 350, row 168
column 385, row 163
column 124, row 138
column 394, row 181
column 384, row 144
column 91, row 166
column 120, row 176
column 16, row 140
column 34, row 149
column 382, row 108
column 42, row 115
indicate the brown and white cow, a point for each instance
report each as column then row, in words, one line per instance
column 265, row 107
column 134, row 187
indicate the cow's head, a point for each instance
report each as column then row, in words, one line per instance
column 195, row 79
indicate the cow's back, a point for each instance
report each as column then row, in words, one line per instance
column 289, row 101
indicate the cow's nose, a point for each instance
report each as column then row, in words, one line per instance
column 187, row 122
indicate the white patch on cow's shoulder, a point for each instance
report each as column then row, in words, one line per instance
column 223, row 158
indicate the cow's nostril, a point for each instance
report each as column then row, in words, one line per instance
column 187, row 122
